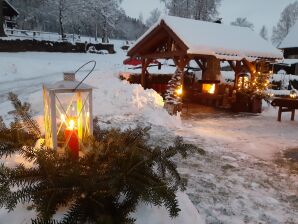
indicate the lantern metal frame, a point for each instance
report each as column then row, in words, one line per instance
column 81, row 95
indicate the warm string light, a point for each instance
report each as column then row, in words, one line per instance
column 293, row 94
column 243, row 83
column 179, row 91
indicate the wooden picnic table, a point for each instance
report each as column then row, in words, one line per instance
column 285, row 105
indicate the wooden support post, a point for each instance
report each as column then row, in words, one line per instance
column 238, row 69
column 293, row 115
column 143, row 75
column 145, row 64
column 279, row 114
column 251, row 68
column 181, row 63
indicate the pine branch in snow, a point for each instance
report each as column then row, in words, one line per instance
column 22, row 112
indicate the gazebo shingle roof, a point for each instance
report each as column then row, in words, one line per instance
column 222, row 41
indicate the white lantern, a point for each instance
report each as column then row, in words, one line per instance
column 67, row 113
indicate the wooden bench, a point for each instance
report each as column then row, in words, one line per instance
column 285, row 105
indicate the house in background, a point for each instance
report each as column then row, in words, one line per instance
column 10, row 14
column 290, row 48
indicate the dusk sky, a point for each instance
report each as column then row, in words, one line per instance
column 259, row 12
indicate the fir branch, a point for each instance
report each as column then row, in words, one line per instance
column 22, row 112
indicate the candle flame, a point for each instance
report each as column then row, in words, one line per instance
column 71, row 125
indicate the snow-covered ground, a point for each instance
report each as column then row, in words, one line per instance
column 237, row 181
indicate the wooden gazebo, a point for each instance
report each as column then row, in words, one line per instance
column 184, row 40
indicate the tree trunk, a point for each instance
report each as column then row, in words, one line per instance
column 61, row 20
column 105, row 38
column 2, row 33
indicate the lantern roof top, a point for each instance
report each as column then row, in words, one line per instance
column 69, row 84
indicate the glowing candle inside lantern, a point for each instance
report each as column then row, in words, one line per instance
column 71, row 136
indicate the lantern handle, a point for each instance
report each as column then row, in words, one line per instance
column 94, row 65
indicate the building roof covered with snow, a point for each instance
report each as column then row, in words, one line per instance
column 9, row 10
column 291, row 40
column 195, row 37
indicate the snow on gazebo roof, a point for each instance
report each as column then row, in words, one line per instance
column 291, row 40
column 219, row 40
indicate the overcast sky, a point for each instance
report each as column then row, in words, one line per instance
column 259, row 12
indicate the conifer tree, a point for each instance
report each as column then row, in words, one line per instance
column 173, row 96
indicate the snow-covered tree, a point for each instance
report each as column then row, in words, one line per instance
column 87, row 17
column 108, row 11
column 2, row 33
column 264, row 32
column 32, row 13
column 243, row 22
column 287, row 19
column 196, row 9
column 173, row 96
column 154, row 16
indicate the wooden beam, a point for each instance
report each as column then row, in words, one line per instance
column 164, row 55
column 233, row 65
column 238, row 69
column 200, row 64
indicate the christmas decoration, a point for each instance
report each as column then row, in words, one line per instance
column 120, row 170
column 173, row 96
column 293, row 94
column 258, row 84
column 243, row 82
column 68, row 113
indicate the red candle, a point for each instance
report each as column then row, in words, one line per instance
column 71, row 135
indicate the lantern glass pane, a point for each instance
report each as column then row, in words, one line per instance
column 47, row 119
column 72, row 113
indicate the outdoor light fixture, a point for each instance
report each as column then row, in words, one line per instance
column 293, row 94
column 67, row 114
column 209, row 88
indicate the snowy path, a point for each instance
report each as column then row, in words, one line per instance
column 232, row 188
column 258, row 135
column 237, row 181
